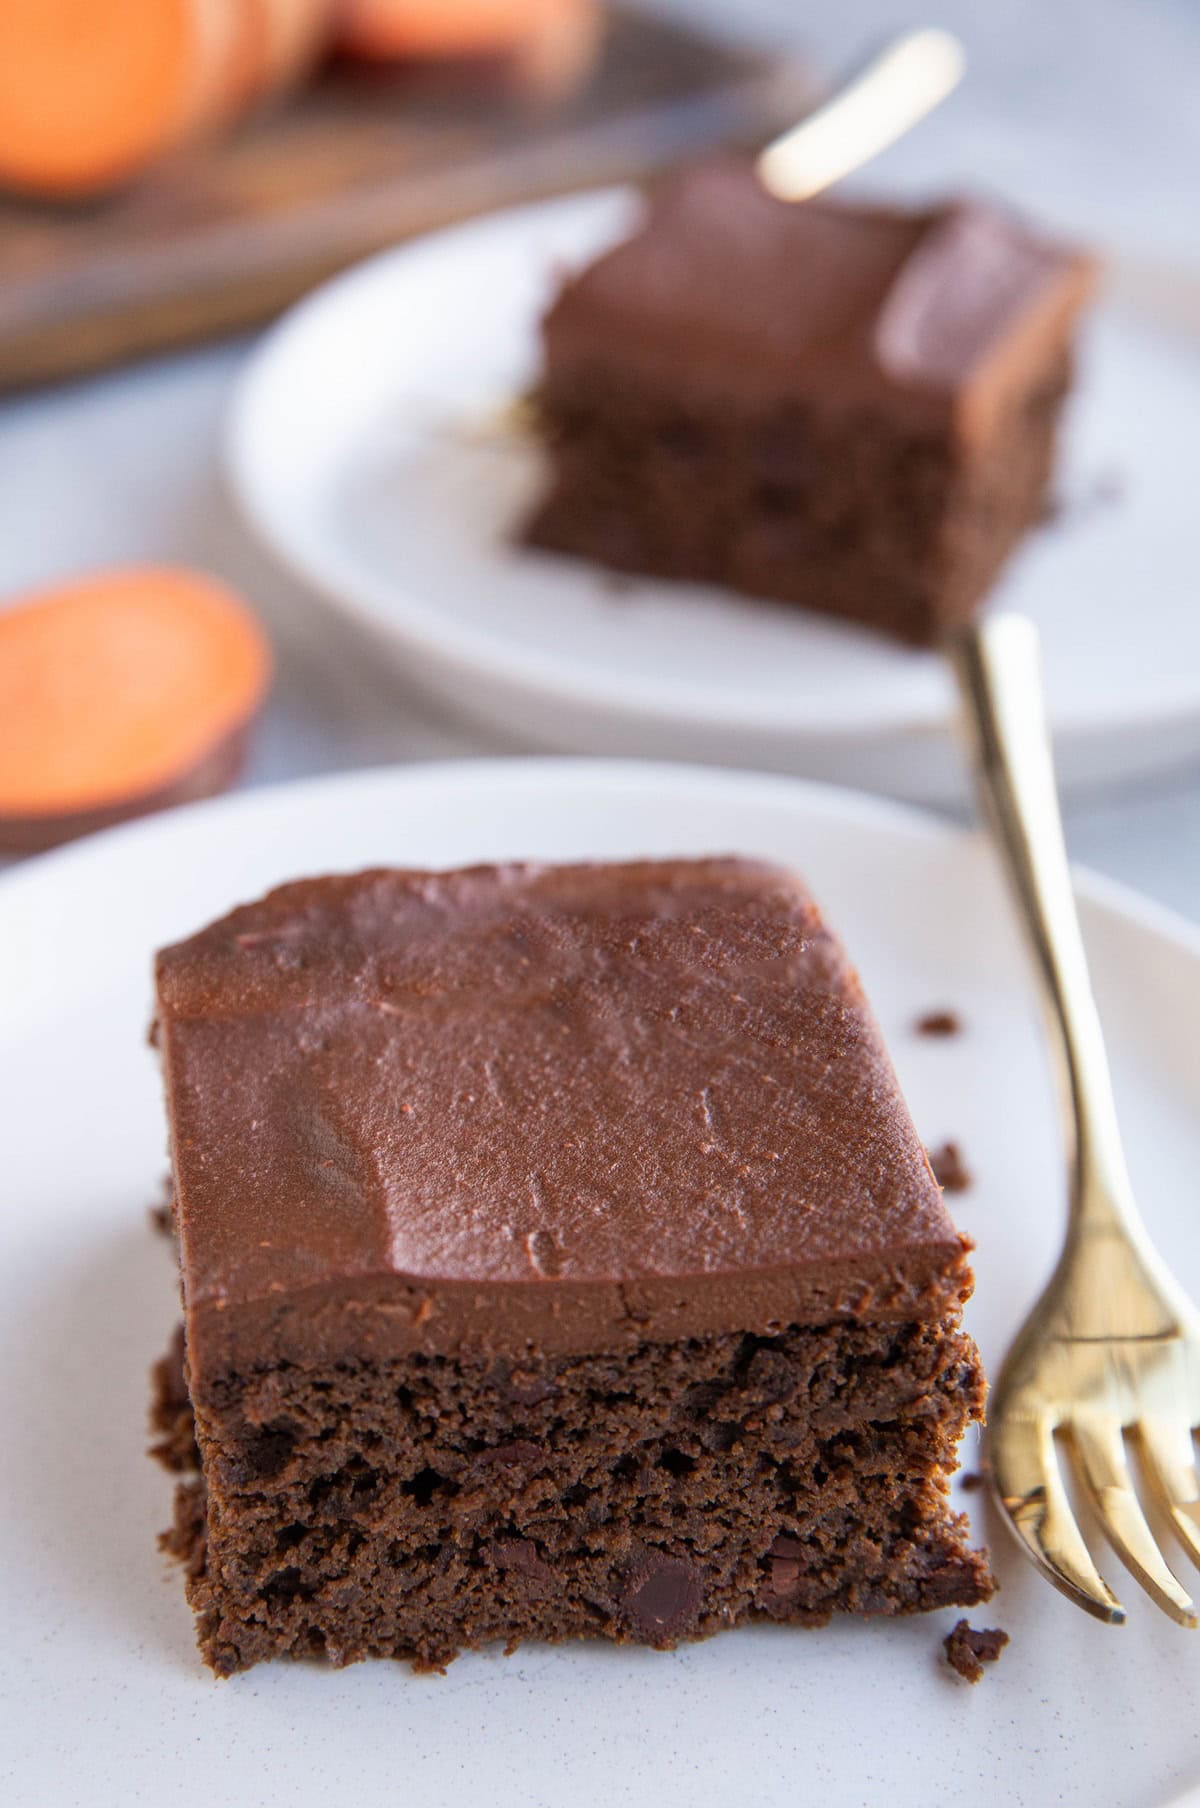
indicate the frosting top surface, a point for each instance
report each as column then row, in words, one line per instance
column 725, row 286
column 521, row 1083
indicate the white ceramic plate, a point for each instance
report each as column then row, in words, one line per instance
column 355, row 446
column 103, row 1700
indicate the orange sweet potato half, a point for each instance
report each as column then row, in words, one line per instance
column 121, row 693
column 92, row 92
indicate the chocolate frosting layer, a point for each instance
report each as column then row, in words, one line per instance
column 728, row 291
column 536, row 1108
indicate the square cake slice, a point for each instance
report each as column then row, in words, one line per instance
column 848, row 407
column 558, row 1259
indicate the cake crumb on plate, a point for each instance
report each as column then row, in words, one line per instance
column 967, row 1651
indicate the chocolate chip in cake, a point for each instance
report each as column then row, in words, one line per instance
column 521, row 1557
column 662, row 1596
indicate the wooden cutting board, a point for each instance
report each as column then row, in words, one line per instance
column 229, row 235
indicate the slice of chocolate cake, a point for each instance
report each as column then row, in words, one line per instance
column 853, row 408
column 558, row 1259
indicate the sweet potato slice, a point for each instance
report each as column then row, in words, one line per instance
column 121, row 693
column 94, row 91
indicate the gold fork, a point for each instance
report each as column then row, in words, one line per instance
column 1111, row 1351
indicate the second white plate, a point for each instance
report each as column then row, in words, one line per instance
column 359, row 450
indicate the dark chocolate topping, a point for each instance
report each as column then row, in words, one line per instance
column 728, row 290
column 543, row 1107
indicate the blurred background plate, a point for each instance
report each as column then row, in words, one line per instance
column 99, row 1677
column 363, row 450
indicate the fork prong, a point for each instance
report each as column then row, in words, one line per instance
column 1169, row 1457
column 1024, row 1465
column 1099, row 1446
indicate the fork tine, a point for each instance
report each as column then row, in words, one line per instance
column 1170, row 1461
column 1024, row 1465
column 1100, row 1448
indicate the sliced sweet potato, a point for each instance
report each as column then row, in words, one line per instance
column 121, row 693
column 94, row 91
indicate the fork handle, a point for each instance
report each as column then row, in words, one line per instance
column 997, row 662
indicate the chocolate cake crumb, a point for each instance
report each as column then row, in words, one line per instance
column 171, row 1411
column 186, row 1539
column 161, row 1215
column 949, row 1169
column 939, row 1023
column 967, row 1651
